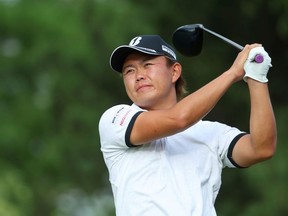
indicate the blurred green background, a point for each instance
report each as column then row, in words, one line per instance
column 55, row 82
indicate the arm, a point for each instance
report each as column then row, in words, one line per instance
column 260, row 144
column 157, row 124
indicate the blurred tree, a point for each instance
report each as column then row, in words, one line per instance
column 55, row 82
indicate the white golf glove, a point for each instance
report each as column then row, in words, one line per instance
column 255, row 70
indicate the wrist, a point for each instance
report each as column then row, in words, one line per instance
column 256, row 77
column 233, row 75
column 253, row 83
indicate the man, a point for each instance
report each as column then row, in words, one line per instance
column 163, row 159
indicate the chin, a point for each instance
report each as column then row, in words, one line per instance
column 147, row 102
column 146, row 105
column 143, row 104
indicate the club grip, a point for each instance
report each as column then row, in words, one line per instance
column 259, row 58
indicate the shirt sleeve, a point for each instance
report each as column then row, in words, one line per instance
column 227, row 140
column 115, row 127
column 231, row 147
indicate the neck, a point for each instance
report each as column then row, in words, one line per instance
column 168, row 103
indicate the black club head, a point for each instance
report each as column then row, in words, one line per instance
column 188, row 39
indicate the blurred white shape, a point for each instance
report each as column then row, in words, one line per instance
column 77, row 203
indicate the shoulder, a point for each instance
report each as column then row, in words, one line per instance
column 211, row 126
column 117, row 119
column 114, row 124
column 116, row 108
column 222, row 134
column 113, row 114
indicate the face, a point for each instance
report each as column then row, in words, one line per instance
column 149, row 81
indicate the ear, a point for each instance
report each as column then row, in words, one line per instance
column 177, row 70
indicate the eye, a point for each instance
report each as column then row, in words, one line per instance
column 148, row 64
column 128, row 71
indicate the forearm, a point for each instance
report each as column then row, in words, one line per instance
column 262, row 121
column 195, row 106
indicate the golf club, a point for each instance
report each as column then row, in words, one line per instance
column 188, row 40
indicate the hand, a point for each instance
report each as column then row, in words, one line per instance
column 254, row 70
column 237, row 68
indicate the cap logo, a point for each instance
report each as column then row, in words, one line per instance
column 135, row 41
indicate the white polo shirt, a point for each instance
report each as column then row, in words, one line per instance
column 175, row 175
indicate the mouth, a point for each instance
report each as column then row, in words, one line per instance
column 142, row 87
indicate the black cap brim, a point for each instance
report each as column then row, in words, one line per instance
column 120, row 54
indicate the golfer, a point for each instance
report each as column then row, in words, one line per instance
column 163, row 159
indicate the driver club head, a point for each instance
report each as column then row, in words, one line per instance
column 188, row 39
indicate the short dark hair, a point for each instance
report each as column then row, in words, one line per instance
column 180, row 85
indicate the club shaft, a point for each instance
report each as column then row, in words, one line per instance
column 258, row 58
column 223, row 38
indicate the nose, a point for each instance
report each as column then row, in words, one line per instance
column 140, row 75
